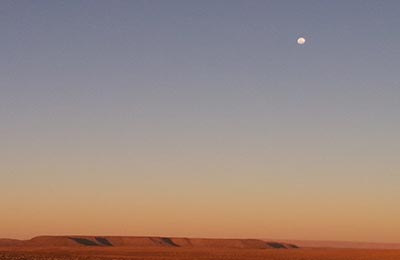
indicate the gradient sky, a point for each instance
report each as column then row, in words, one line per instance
column 200, row 119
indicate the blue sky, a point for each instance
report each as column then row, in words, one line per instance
column 100, row 95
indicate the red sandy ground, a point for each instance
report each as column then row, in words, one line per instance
column 117, row 253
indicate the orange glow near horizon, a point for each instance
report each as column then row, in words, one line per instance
column 232, row 205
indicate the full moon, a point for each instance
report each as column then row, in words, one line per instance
column 301, row 40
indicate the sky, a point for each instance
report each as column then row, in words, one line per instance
column 200, row 119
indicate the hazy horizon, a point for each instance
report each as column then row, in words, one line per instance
column 200, row 119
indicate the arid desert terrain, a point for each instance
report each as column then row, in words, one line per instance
column 163, row 248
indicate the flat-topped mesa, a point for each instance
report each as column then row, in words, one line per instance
column 127, row 241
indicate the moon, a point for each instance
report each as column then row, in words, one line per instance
column 301, row 40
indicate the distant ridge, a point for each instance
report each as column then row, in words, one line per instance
column 342, row 244
column 10, row 242
column 128, row 241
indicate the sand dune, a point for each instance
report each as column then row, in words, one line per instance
column 121, row 241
